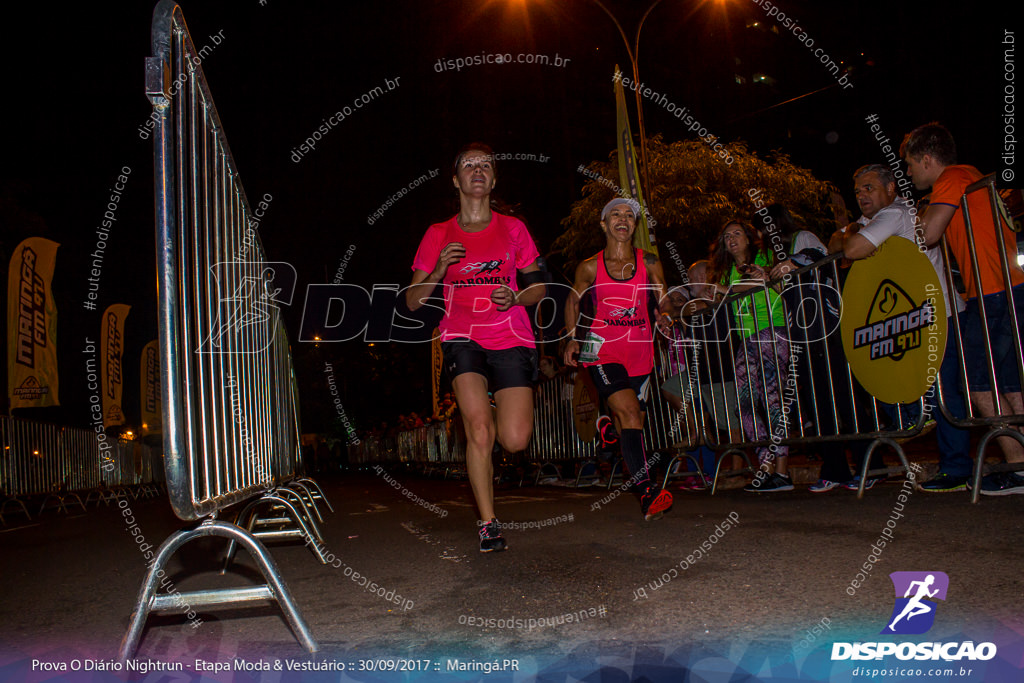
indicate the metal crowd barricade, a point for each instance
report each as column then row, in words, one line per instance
column 48, row 460
column 714, row 409
column 61, row 464
column 822, row 405
column 555, row 439
column 437, row 447
column 128, row 469
column 230, row 411
column 1001, row 423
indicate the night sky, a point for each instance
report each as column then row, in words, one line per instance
column 74, row 102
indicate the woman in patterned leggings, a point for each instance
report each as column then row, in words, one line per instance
column 738, row 264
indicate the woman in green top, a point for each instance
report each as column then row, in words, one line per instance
column 738, row 264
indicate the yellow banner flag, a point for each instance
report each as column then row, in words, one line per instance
column 32, row 380
column 111, row 351
column 149, row 390
column 629, row 178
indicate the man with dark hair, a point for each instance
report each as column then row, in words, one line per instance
column 875, row 184
column 930, row 154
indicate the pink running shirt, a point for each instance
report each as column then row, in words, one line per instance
column 492, row 257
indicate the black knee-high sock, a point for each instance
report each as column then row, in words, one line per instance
column 636, row 457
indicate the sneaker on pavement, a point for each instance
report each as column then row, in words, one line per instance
column 759, row 482
column 1002, row 484
column 945, row 483
column 695, row 483
column 823, row 485
column 655, row 503
column 688, row 484
column 491, row 539
column 926, row 429
column 854, row 483
column 772, row 483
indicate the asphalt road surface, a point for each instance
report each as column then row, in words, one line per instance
column 735, row 586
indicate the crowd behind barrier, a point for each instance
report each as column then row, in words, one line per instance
column 54, row 462
column 998, row 317
column 816, row 403
column 820, row 404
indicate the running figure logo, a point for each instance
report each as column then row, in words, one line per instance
column 249, row 296
column 914, row 612
column 624, row 312
column 482, row 267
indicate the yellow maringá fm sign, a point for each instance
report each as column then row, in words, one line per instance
column 894, row 322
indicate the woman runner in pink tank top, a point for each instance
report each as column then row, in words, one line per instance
column 617, row 347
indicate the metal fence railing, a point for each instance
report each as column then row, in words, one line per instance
column 438, row 443
column 794, row 387
column 230, row 409
column 1001, row 420
column 61, row 464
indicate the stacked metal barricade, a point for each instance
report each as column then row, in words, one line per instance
column 231, row 433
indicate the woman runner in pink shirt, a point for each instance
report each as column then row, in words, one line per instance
column 486, row 337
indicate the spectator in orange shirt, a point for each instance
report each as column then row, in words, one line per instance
column 930, row 154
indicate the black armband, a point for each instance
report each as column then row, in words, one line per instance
column 534, row 277
column 537, row 276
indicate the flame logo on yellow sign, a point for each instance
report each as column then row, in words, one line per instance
column 894, row 323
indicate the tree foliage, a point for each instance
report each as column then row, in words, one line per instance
column 693, row 193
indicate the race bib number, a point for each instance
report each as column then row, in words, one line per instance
column 590, row 348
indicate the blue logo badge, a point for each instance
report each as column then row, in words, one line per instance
column 916, row 593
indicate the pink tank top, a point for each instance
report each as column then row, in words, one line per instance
column 622, row 331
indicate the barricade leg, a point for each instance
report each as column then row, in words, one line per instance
column 303, row 508
column 61, row 505
column 867, row 459
column 617, row 470
column 721, row 459
column 245, row 520
column 682, row 457
column 24, row 510
column 274, row 590
column 248, row 517
column 306, row 496
column 542, row 469
column 587, row 466
column 317, row 493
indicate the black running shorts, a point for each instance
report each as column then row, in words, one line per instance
column 610, row 378
column 514, row 367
